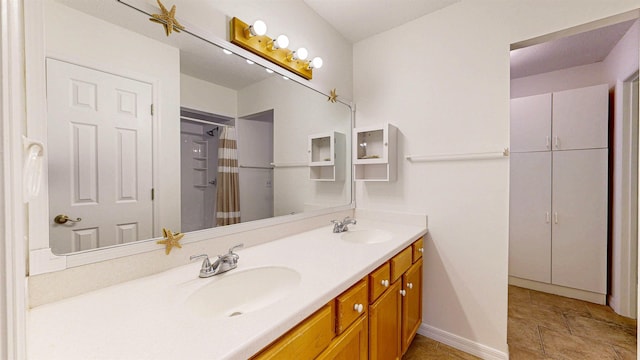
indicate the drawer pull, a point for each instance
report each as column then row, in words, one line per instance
column 421, row 250
column 410, row 285
column 384, row 283
column 403, row 292
column 358, row 307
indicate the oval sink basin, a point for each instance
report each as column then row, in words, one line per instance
column 237, row 293
column 367, row 236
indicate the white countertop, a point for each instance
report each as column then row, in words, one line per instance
column 147, row 318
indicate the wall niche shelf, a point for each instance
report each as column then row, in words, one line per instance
column 327, row 156
column 374, row 153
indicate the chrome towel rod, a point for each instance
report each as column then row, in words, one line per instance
column 256, row 167
column 465, row 156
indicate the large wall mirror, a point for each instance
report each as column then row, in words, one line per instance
column 136, row 121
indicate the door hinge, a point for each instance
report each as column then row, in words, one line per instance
column 153, row 193
column 151, row 109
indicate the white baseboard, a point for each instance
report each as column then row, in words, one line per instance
column 463, row 344
column 584, row 295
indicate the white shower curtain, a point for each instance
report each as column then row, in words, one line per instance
column 228, row 195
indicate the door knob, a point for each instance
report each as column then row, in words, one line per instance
column 62, row 219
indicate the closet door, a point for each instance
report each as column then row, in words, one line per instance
column 530, row 216
column 531, row 123
column 581, row 118
column 579, row 236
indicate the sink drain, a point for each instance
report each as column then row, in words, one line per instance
column 237, row 313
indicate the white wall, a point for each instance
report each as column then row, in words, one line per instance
column 298, row 113
column 443, row 79
column 205, row 96
column 620, row 64
column 120, row 49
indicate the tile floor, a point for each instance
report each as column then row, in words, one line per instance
column 545, row 326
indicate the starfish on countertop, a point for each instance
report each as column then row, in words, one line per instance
column 167, row 19
column 170, row 240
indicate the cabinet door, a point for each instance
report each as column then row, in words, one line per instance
column 351, row 345
column 385, row 325
column 411, row 303
column 581, row 118
column 580, row 219
column 530, row 216
column 531, row 123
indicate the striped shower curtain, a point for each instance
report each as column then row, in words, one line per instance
column 228, row 195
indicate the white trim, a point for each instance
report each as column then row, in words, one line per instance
column 12, row 116
column 584, row 295
column 463, row 344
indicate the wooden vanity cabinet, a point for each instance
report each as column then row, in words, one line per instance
column 411, row 303
column 377, row 318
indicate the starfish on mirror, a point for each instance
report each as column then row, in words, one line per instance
column 170, row 240
column 167, row 19
column 333, row 97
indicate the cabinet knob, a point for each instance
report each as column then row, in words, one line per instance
column 358, row 307
column 410, row 285
column 384, row 283
column 421, row 250
column 403, row 292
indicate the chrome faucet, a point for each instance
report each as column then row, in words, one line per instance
column 341, row 226
column 223, row 263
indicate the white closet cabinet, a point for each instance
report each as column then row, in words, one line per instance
column 559, row 192
column 580, row 118
column 530, row 216
column 531, row 123
column 579, row 236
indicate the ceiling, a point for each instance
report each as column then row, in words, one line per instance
column 581, row 49
column 360, row 19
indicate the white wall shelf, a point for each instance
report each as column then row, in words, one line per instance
column 327, row 156
column 374, row 153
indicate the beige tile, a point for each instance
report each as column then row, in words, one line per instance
column 560, row 303
column 602, row 331
column 519, row 294
column 524, row 334
column 625, row 354
column 605, row 313
column 543, row 316
column 570, row 347
column 518, row 353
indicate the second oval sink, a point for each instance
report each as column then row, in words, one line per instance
column 367, row 236
column 237, row 293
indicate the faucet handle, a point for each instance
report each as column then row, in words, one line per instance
column 205, row 264
column 241, row 245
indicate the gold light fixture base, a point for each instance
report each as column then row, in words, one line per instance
column 261, row 46
column 170, row 240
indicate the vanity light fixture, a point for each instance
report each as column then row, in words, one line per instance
column 253, row 38
column 259, row 28
column 281, row 42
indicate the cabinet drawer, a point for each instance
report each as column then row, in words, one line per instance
column 379, row 281
column 400, row 263
column 306, row 340
column 418, row 249
column 350, row 305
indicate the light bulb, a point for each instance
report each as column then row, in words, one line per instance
column 281, row 42
column 227, row 51
column 301, row 54
column 316, row 63
column 250, row 62
column 258, row 28
column 286, row 78
column 268, row 70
